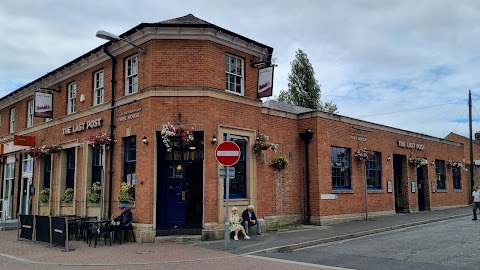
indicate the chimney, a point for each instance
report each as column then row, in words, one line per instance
column 477, row 136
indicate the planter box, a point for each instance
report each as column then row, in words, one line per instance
column 129, row 205
column 66, row 209
column 44, row 209
column 93, row 209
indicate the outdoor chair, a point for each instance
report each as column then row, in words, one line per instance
column 93, row 233
column 123, row 233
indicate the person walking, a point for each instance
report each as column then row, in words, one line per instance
column 476, row 202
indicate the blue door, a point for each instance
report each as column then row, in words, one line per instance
column 176, row 192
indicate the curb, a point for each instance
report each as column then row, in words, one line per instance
column 293, row 247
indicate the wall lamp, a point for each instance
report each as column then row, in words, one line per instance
column 144, row 140
column 433, row 162
column 111, row 37
column 389, row 158
column 214, row 139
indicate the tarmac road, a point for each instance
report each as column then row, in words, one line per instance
column 447, row 245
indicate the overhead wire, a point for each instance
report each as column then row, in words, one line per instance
column 408, row 110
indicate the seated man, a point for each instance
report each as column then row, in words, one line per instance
column 249, row 219
column 125, row 219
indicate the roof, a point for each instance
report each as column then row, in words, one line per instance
column 285, row 107
column 185, row 21
column 476, row 142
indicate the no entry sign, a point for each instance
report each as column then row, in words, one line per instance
column 227, row 153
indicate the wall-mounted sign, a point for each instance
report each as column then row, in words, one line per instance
column 359, row 137
column 265, row 82
column 128, row 115
column 24, row 140
column 414, row 187
column 328, row 196
column 43, row 105
column 411, row 145
column 389, row 186
column 82, row 126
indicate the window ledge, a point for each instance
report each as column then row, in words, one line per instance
column 238, row 202
column 458, row 190
column 375, row 191
column 342, row 191
column 442, row 191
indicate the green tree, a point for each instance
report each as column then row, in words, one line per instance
column 303, row 89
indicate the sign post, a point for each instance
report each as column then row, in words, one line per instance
column 228, row 154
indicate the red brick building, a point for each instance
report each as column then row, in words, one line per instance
column 204, row 77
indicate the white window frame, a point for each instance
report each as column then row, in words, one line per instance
column 131, row 75
column 31, row 107
column 229, row 73
column 72, row 98
column 27, row 166
column 12, row 120
column 98, row 87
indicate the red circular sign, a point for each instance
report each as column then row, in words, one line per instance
column 227, row 153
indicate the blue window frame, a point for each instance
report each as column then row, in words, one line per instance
column 440, row 173
column 457, row 178
column 47, row 171
column 340, row 158
column 70, row 168
column 374, row 171
column 130, row 160
column 97, row 165
column 238, row 184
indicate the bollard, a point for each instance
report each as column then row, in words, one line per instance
column 18, row 227
column 66, row 234
column 50, row 229
column 34, row 230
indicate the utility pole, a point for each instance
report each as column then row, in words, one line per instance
column 471, row 142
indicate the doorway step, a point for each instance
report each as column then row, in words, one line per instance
column 178, row 231
column 178, row 239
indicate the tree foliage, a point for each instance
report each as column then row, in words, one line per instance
column 303, row 89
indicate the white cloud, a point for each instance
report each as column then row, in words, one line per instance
column 371, row 57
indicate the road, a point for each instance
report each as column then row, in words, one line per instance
column 447, row 245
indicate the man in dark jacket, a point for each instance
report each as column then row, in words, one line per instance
column 125, row 220
column 249, row 219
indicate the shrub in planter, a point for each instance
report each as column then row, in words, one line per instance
column 95, row 192
column 44, row 195
column 127, row 192
column 68, row 195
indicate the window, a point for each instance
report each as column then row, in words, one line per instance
column 440, row 173
column 47, row 171
column 97, row 165
column 131, row 75
column 98, row 88
column 340, row 158
column 234, row 74
column 27, row 163
column 457, row 178
column 12, row 120
column 72, row 95
column 9, row 171
column 374, row 171
column 238, row 184
column 31, row 106
column 130, row 160
column 70, row 168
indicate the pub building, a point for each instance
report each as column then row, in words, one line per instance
column 74, row 144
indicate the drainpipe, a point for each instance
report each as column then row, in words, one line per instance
column 307, row 137
column 112, row 126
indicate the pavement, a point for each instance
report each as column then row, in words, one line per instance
column 24, row 254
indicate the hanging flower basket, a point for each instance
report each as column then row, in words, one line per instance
column 279, row 163
column 454, row 164
column 417, row 161
column 261, row 143
column 99, row 139
column 176, row 130
column 363, row 154
column 41, row 152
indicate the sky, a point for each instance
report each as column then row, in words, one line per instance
column 405, row 64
